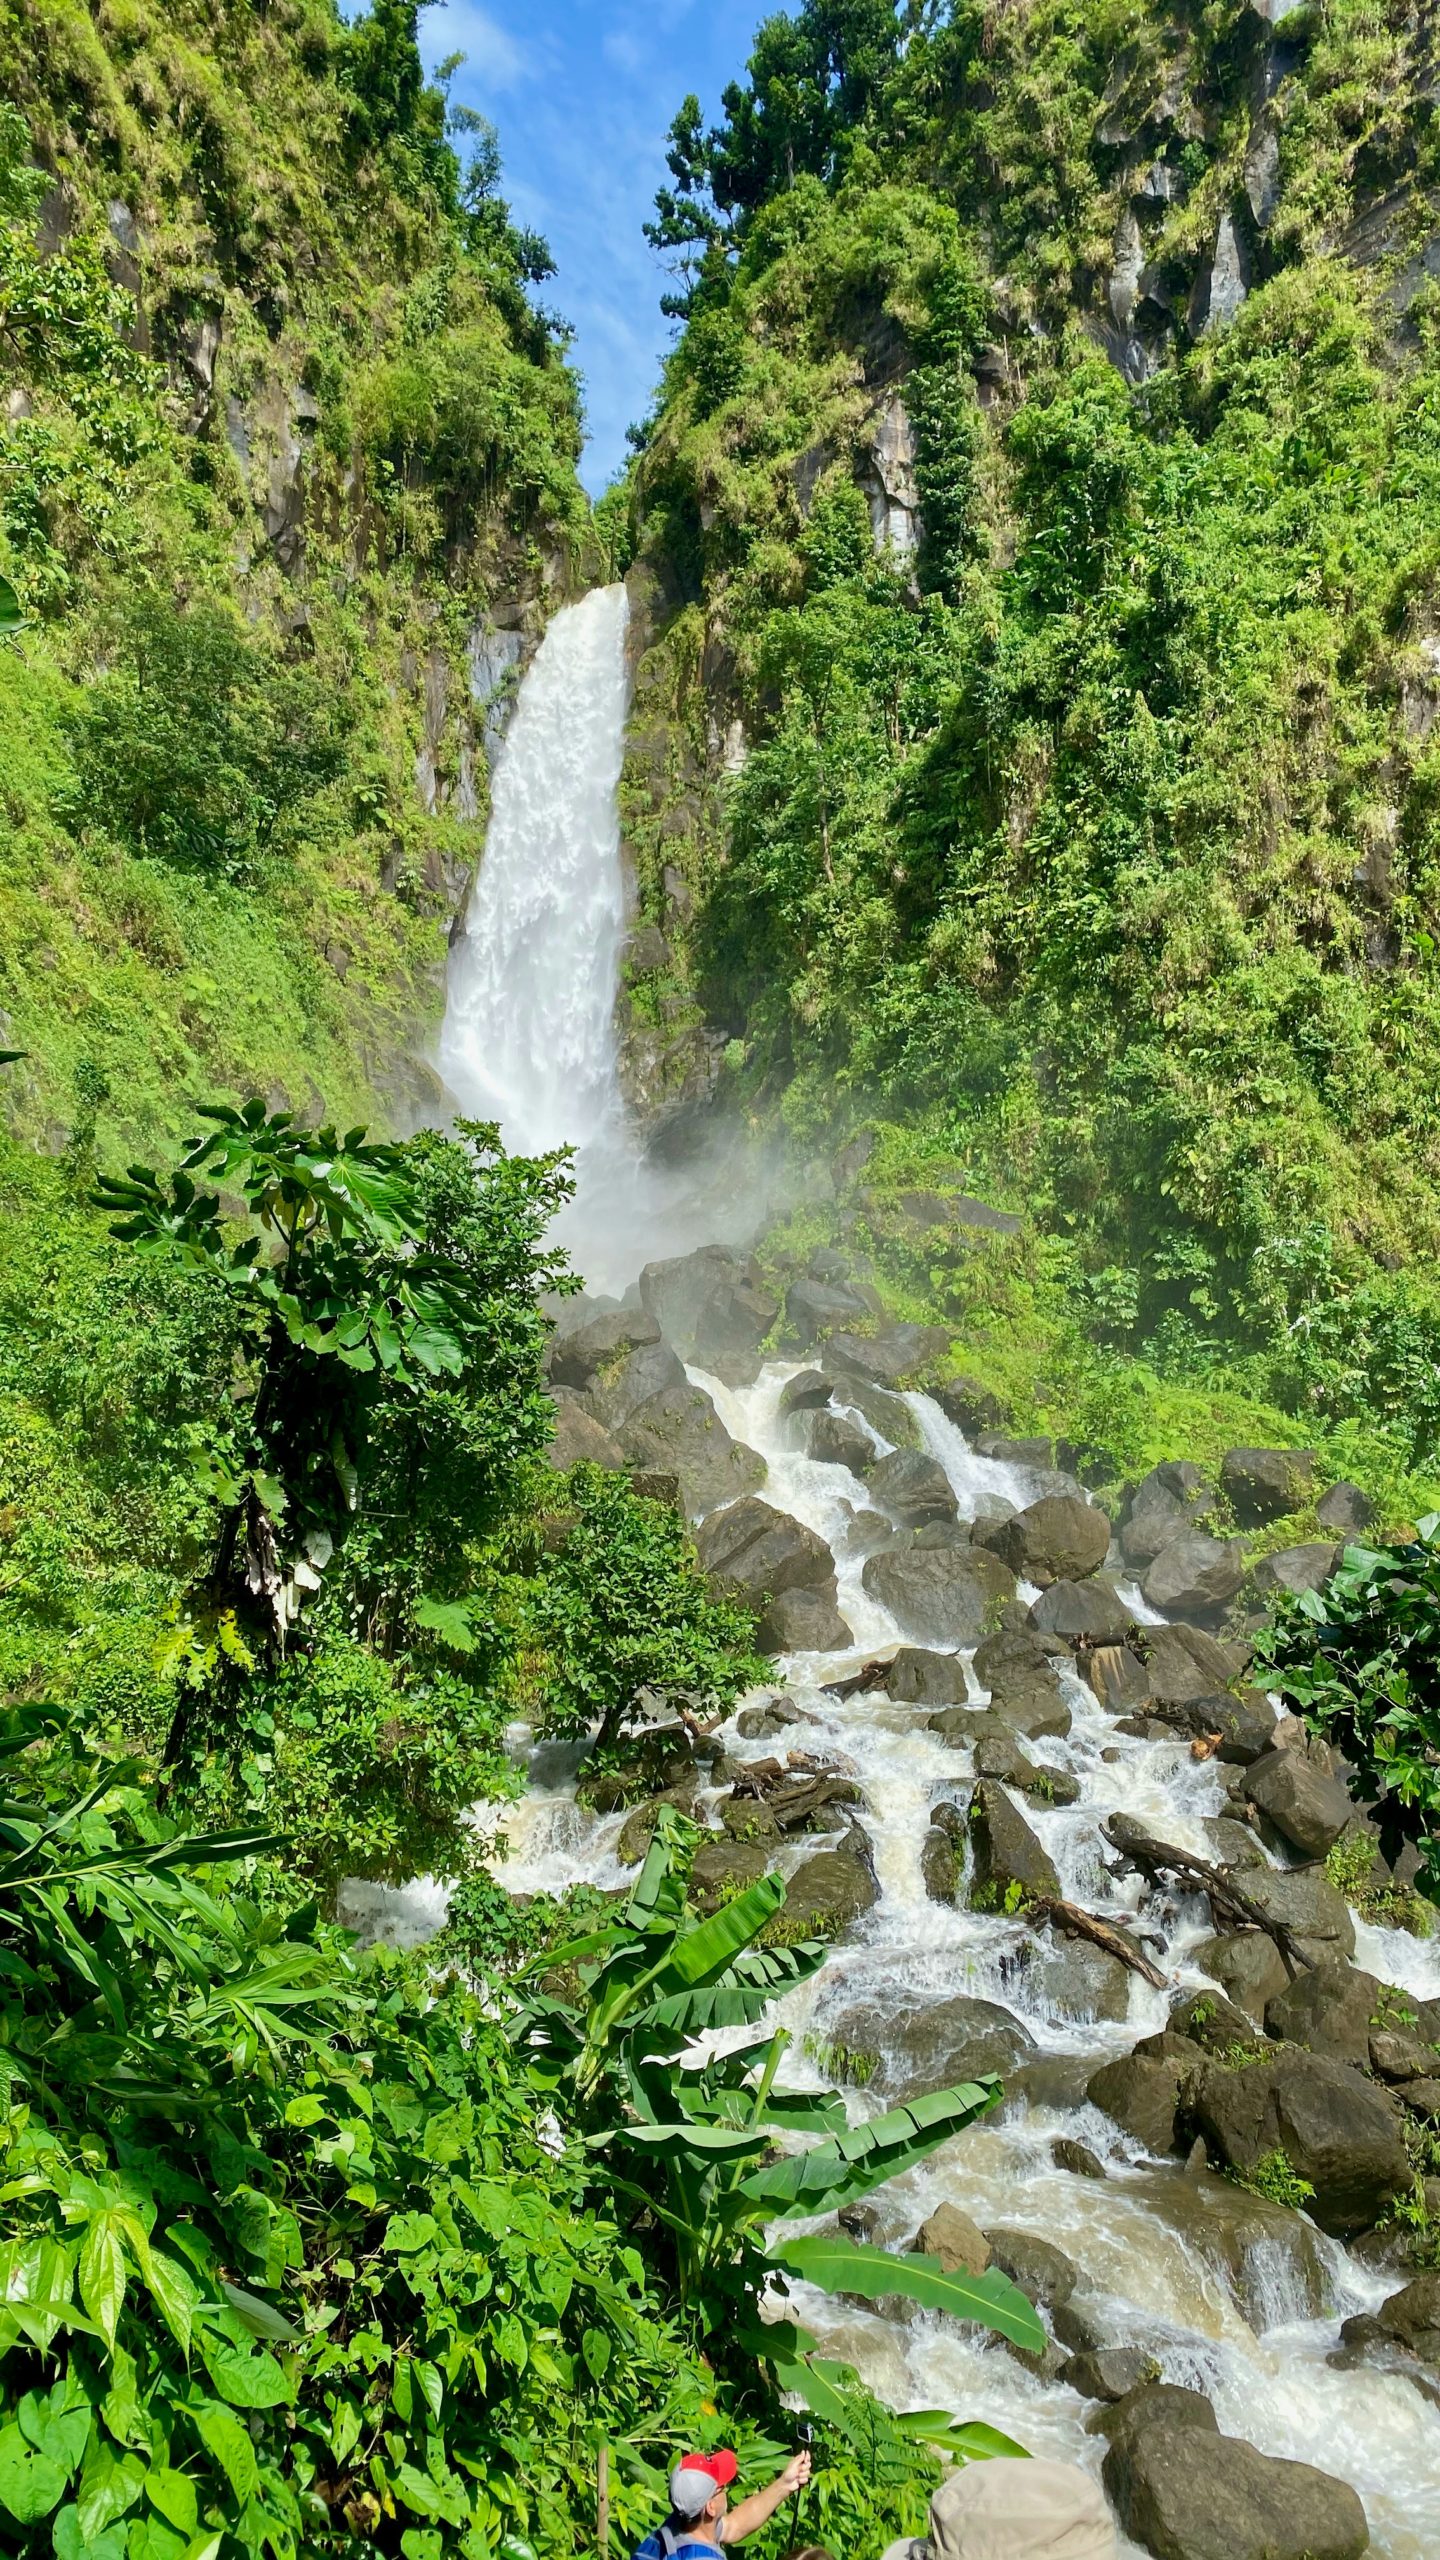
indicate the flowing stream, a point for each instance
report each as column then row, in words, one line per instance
column 1247, row 2310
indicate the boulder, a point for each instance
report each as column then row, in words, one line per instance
column 1040, row 2269
column 1263, row 1484
column 1058, row 1539
column 958, row 2243
column 1184, row 1662
column 1187, row 2494
column 1297, row 1568
column 679, row 1433
column 1008, row 1860
column 578, row 1439
column 921, row 2049
column 1307, row 1806
column 1346, row 1511
column 914, row 1488
column 838, row 1440
column 890, row 1355
column 713, row 1308
column 1167, row 1502
column 805, row 1392
column 802, row 1622
column 1108, row 2373
column 1307, row 1902
column 1081, row 1611
column 814, row 1307
column 1015, row 1668
column 1195, row 1575
column 969, row 1404
column 926, row 1679
column 938, row 1595
column 1142, row 2091
column 1253, row 2245
column 1336, row 2130
column 830, row 1892
column 1330, row 2008
column 1119, row 1679
column 757, row 1552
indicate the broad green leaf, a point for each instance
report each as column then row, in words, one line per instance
column 838, row 2265
column 102, row 2275
column 30, row 2482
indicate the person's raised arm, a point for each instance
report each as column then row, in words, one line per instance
column 752, row 2512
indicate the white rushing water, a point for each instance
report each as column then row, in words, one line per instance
column 1248, row 2312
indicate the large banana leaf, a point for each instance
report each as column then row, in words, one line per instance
column 836, row 2172
column 838, row 2265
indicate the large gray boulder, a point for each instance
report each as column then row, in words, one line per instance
column 1167, row 1502
column 1263, row 1484
column 1189, row 2495
column 1083, row 1612
column 1009, row 1866
column 922, row 1678
column 713, row 1308
column 913, row 1487
column 1058, row 1539
column 757, row 1552
column 921, row 2049
column 1335, row 2129
column 938, row 1595
column 891, row 1355
column 1195, row 1575
column 577, row 1438
column 678, row 1432
column 1307, row 1806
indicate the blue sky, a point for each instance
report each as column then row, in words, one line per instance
column 581, row 92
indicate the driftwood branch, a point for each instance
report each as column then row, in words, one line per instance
column 1229, row 1902
column 1087, row 1924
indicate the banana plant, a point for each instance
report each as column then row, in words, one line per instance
column 691, row 2137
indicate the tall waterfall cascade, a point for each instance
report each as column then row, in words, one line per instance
column 1225, row 2294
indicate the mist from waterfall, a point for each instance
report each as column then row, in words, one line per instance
column 529, row 1037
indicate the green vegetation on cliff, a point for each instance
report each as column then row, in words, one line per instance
column 1038, row 533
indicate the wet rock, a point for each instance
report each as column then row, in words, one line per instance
column 913, row 1487
column 938, row 1595
column 1307, row 1806
column 578, row 1439
column 802, row 1622
column 958, row 2243
column 1166, row 1503
column 829, row 1893
column 1336, row 2130
column 1040, row 2269
column 1184, row 1662
column 679, row 1433
column 805, row 1392
column 838, row 1440
column 1297, row 1568
column 1307, row 1902
column 1081, row 2162
column 1195, row 1575
column 1188, row 2494
column 1142, row 2091
column 1019, row 1674
column 713, row 1308
column 1058, row 1539
column 1119, row 1679
column 1264, row 1484
column 1244, row 1723
column 813, row 1307
column 1108, row 2373
column 970, row 1405
column 891, row 1356
column 918, row 2050
column 1009, row 1866
column 1252, row 2244
column 1346, row 1511
column 926, row 1679
column 758, row 1552
column 1089, row 1611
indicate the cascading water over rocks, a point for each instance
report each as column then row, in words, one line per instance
column 1143, row 2265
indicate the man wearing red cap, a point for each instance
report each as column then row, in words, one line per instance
column 701, row 2517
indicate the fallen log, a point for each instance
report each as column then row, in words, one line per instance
column 1076, row 1923
column 1229, row 1902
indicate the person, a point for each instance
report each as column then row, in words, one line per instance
column 1014, row 2509
column 701, row 2517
